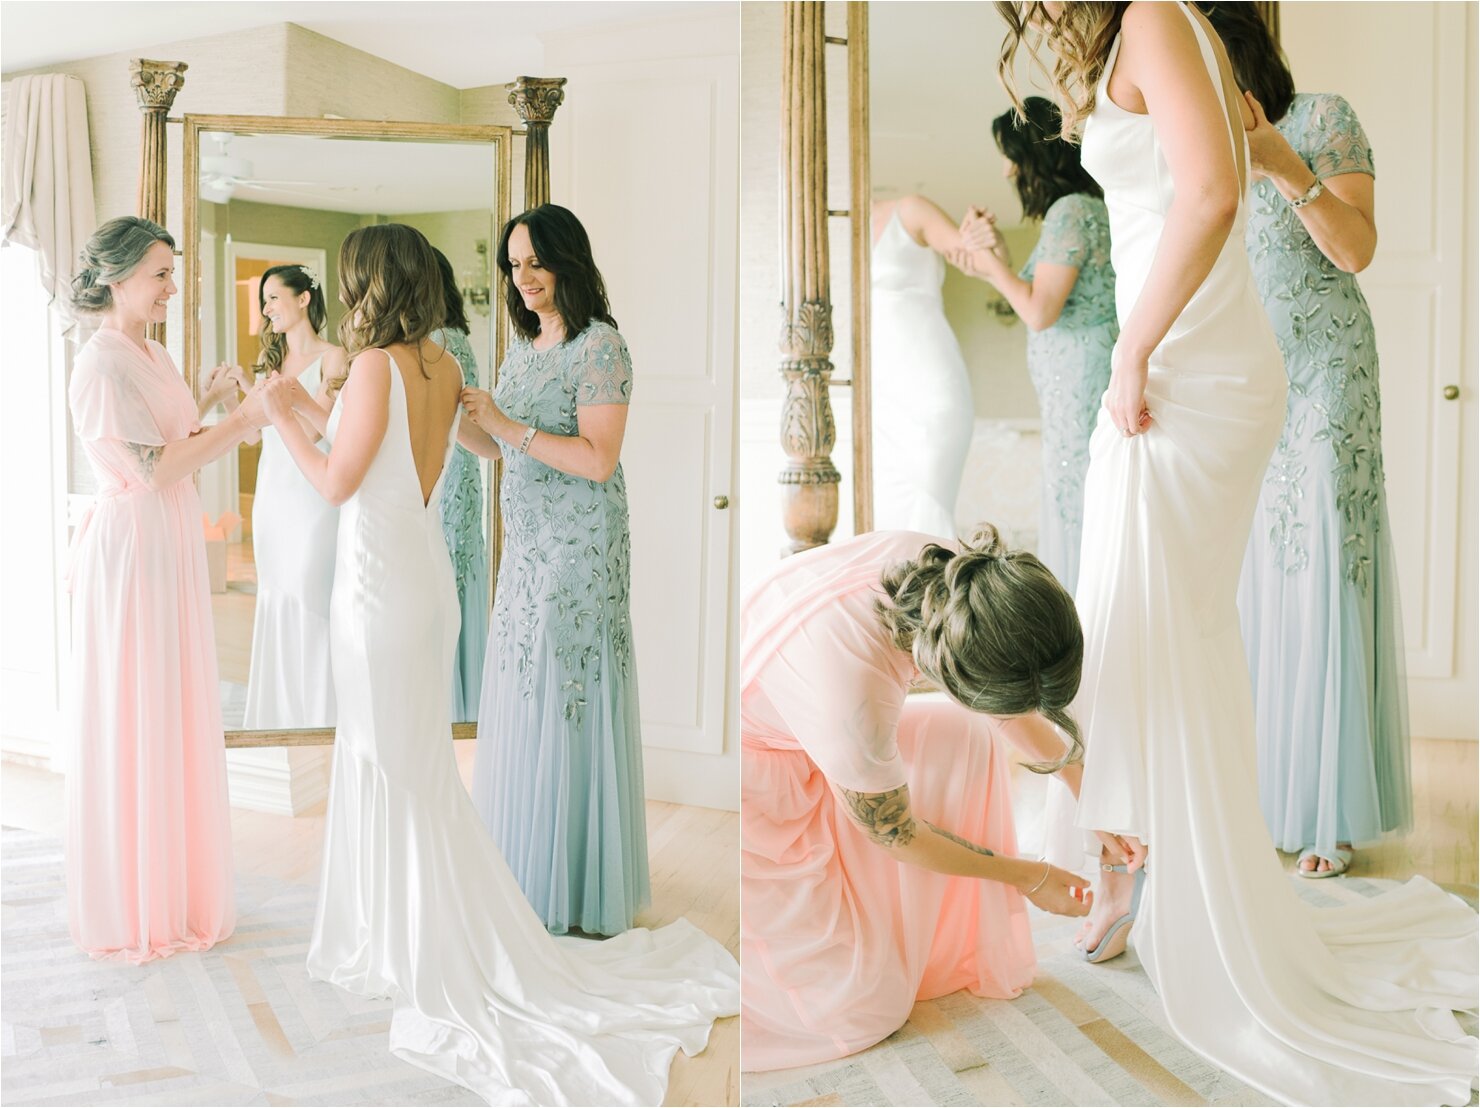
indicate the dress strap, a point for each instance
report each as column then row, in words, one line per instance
column 1210, row 60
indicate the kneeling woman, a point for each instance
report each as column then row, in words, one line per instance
column 877, row 848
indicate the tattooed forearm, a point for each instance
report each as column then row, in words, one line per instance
column 958, row 839
column 146, row 456
column 884, row 817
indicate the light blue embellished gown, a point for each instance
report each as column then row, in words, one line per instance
column 1070, row 367
column 462, row 526
column 1318, row 599
column 558, row 773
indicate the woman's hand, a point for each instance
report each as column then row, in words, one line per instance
column 1125, row 850
column 1270, row 154
column 1061, row 892
column 482, row 410
column 277, row 397
column 979, row 231
column 253, row 407
column 1125, row 399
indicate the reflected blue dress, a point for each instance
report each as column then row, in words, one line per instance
column 1318, row 600
column 462, row 526
column 558, row 773
column 1069, row 364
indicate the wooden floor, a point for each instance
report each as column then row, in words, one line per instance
column 1446, row 818
column 694, row 857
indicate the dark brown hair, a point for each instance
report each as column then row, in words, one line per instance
column 1079, row 40
column 991, row 626
column 457, row 314
column 1047, row 166
column 296, row 280
column 562, row 247
column 391, row 288
column 1258, row 64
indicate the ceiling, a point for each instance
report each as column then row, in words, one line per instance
column 462, row 43
column 384, row 177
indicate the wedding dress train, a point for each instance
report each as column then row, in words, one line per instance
column 417, row 903
column 1345, row 1005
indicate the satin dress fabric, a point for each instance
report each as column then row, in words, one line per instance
column 416, row 902
column 149, row 867
column 838, row 938
column 922, row 407
column 1339, row 1005
column 289, row 683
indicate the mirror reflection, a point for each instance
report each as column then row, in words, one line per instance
column 992, row 297
column 273, row 210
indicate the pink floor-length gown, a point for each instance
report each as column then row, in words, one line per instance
column 838, row 939
column 149, row 868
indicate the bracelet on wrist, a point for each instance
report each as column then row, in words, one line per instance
column 1315, row 190
column 529, row 434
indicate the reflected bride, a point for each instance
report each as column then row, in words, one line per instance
column 416, row 902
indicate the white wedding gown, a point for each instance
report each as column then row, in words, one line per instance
column 289, row 683
column 416, row 902
column 1345, row 1005
column 922, row 407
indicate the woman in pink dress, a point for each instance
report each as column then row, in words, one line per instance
column 149, row 826
column 877, row 846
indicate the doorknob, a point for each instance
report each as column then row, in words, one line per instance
column 721, row 502
column 1451, row 392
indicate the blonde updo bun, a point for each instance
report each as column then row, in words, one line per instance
column 992, row 626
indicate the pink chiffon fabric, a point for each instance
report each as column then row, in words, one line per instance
column 149, row 869
column 838, row 939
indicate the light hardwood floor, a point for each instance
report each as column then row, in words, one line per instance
column 1446, row 819
column 694, row 857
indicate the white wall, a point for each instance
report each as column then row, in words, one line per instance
column 645, row 151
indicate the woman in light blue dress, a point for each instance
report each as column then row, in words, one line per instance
column 1066, row 296
column 462, row 517
column 558, row 774
column 1319, row 594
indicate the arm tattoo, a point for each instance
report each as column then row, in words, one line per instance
column 884, row 817
column 941, row 831
column 146, row 456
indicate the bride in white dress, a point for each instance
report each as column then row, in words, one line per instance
column 289, row 683
column 1347, row 1005
column 922, row 408
column 416, row 901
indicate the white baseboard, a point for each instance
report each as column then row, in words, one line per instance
column 683, row 777
column 284, row 781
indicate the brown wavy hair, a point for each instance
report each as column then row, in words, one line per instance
column 991, row 626
column 392, row 291
column 1079, row 40
column 296, row 280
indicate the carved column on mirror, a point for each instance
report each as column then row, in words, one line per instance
column 809, row 480
column 155, row 84
column 535, row 99
column 1270, row 11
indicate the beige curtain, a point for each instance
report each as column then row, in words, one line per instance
column 48, row 188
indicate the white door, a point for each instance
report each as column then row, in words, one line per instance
column 647, row 156
column 1408, row 70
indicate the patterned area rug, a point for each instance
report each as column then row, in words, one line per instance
column 239, row 1024
column 1088, row 1035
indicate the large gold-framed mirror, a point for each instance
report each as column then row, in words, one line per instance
column 267, row 202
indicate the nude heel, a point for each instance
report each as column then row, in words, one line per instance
column 1113, row 942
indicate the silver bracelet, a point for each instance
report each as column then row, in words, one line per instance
column 1308, row 195
column 1046, row 867
column 529, row 433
